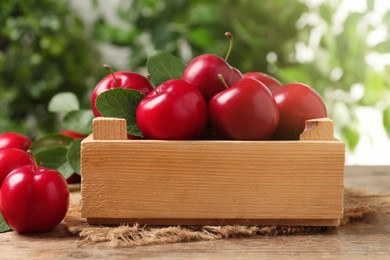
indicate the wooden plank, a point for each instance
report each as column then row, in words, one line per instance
column 190, row 179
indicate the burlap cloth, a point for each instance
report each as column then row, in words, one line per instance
column 358, row 206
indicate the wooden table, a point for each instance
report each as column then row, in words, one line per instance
column 357, row 240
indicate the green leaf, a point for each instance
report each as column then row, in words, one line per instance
column 79, row 121
column 3, row 226
column 163, row 66
column 50, row 151
column 386, row 120
column 50, row 141
column 66, row 170
column 52, row 158
column 64, row 102
column 73, row 155
column 352, row 137
column 121, row 103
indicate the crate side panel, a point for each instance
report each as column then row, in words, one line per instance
column 237, row 180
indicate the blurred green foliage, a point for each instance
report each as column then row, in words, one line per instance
column 292, row 40
column 190, row 28
column 43, row 50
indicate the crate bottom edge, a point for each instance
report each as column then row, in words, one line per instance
column 218, row 222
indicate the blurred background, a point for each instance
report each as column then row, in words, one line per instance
column 341, row 48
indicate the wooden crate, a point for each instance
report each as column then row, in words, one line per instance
column 212, row 182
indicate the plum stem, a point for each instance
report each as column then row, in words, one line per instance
column 229, row 35
column 36, row 166
column 108, row 67
column 220, row 77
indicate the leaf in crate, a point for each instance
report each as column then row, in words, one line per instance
column 163, row 66
column 64, row 102
column 3, row 226
column 73, row 155
column 79, row 121
column 121, row 103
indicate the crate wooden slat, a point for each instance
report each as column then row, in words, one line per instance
column 212, row 182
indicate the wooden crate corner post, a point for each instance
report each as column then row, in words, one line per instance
column 92, row 154
column 322, row 129
column 318, row 129
column 109, row 129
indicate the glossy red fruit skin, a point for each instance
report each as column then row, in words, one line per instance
column 177, row 111
column 270, row 82
column 297, row 103
column 203, row 72
column 235, row 76
column 14, row 140
column 127, row 80
column 12, row 158
column 244, row 111
column 34, row 199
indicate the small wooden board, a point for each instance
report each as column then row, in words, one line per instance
column 212, row 182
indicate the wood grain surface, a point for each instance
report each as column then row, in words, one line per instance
column 212, row 182
column 358, row 240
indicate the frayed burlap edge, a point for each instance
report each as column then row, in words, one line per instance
column 361, row 206
column 358, row 206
